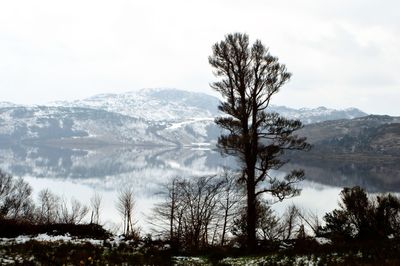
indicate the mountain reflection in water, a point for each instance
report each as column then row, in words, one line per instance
column 79, row 172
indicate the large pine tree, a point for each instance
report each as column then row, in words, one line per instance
column 248, row 78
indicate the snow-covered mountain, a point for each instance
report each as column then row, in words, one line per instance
column 179, row 105
column 316, row 115
column 153, row 104
column 145, row 117
column 77, row 126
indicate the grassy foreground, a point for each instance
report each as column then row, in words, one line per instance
column 74, row 251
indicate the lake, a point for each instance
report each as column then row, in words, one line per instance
column 80, row 172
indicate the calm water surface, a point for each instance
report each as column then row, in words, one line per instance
column 79, row 173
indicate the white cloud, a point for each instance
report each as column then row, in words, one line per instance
column 339, row 51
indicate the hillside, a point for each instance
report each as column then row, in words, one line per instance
column 316, row 115
column 76, row 125
column 152, row 104
column 371, row 135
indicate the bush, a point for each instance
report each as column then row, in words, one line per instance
column 363, row 218
column 15, row 198
column 13, row 228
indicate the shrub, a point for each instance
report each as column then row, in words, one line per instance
column 363, row 218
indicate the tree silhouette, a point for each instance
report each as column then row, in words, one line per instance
column 361, row 217
column 249, row 77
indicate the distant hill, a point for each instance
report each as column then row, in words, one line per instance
column 152, row 104
column 370, row 135
column 78, row 126
column 316, row 115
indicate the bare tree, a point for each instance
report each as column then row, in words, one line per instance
column 21, row 202
column 6, row 190
column 290, row 222
column 125, row 206
column 95, row 204
column 268, row 223
column 16, row 203
column 313, row 221
column 193, row 211
column 229, row 199
column 15, row 197
column 270, row 226
column 48, row 209
column 73, row 215
column 168, row 213
column 200, row 200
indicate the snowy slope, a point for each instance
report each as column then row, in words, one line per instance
column 76, row 126
column 149, row 116
column 152, row 104
column 178, row 105
column 316, row 115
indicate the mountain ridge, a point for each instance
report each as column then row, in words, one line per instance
column 186, row 104
column 373, row 135
column 146, row 117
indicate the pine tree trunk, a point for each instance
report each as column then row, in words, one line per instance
column 251, row 212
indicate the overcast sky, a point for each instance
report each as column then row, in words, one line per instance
column 341, row 53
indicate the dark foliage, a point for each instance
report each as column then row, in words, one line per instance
column 361, row 218
column 14, row 228
column 15, row 198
